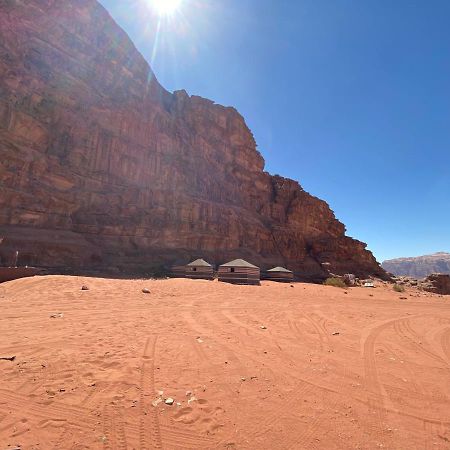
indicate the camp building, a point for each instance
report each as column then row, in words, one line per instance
column 199, row 269
column 239, row 272
column 279, row 274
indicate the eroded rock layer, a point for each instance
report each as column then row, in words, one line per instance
column 102, row 168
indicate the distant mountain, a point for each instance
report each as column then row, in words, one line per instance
column 420, row 266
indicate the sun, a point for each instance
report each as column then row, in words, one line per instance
column 166, row 7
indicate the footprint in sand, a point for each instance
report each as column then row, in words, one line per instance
column 206, row 418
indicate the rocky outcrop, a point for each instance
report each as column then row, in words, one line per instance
column 101, row 167
column 438, row 283
column 419, row 267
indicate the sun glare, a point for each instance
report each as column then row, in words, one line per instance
column 166, row 7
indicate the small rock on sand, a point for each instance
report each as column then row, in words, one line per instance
column 169, row 401
column 146, row 291
column 335, row 333
column 192, row 399
column 263, row 327
column 84, row 288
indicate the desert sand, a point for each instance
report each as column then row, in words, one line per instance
column 269, row 367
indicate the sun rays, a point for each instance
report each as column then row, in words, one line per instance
column 166, row 8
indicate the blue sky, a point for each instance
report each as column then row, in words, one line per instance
column 350, row 98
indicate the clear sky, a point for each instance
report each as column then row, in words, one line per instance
column 350, row 98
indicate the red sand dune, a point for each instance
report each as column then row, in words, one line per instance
column 86, row 378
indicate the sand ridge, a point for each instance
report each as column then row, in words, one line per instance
column 270, row 367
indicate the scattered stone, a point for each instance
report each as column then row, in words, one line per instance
column 192, row 399
column 292, row 285
column 199, row 340
column 178, row 404
column 349, row 279
column 335, row 333
column 403, row 298
column 169, row 401
column 188, row 393
column 243, row 379
column 84, row 288
column 146, row 291
column 7, row 358
column 263, row 327
column 57, row 315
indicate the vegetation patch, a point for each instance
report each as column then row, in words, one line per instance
column 398, row 288
column 336, row 282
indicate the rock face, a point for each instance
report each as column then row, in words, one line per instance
column 419, row 267
column 439, row 283
column 102, row 168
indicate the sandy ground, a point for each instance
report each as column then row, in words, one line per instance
column 96, row 375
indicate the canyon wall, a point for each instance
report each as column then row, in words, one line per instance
column 419, row 266
column 101, row 167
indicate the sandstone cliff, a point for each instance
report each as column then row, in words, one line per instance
column 102, row 167
column 420, row 266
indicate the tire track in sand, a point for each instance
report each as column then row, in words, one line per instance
column 445, row 343
column 207, row 332
column 376, row 394
column 304, row 438
column 175, row 436
column 149, row 430
column 404, row 330
column 77, row 418
column 301, row 389
column 275, row 416
column 48, row 410
column 428, row 426
column 114, row 429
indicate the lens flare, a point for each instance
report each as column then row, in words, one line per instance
column 166, row 7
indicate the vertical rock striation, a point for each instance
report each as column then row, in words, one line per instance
column 101, row 167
